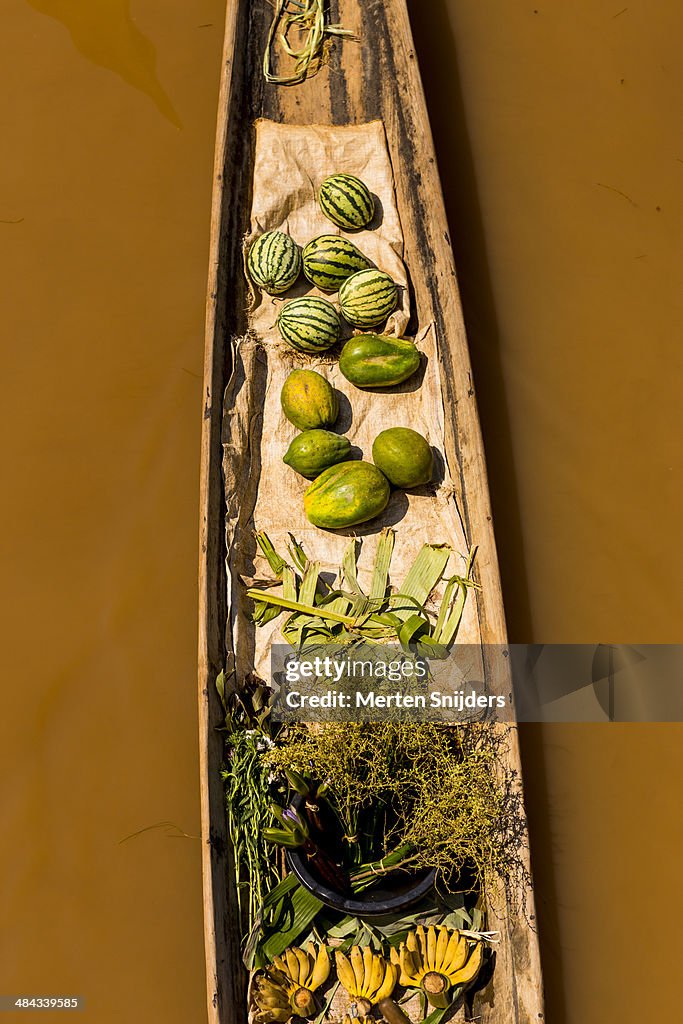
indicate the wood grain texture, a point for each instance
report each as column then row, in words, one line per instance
column 376, row 77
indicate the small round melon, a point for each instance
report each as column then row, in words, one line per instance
column 367, row 298
column 309, row 324
column 329, row 259
column 347, row 201
column 274, row 262
column 404, row 456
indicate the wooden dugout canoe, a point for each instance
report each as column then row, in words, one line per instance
column 376, row 77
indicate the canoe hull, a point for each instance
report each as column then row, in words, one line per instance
column 376, row 77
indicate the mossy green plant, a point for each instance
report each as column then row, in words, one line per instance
column 446, row 796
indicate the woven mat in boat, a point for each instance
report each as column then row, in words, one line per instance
column 261, row 492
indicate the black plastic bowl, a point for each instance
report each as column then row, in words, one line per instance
column 396, row 893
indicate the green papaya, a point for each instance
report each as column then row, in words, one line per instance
column 314, row 450
column 404, row 456
column 308, row 400
column 345, row 495
column 372, row 361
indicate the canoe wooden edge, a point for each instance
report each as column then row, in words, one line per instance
column 225, row 981
column 224, row 984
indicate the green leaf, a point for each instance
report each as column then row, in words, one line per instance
column 299, row 556
column 288, row 883
column 350, row 565
column 360, row 606
column 275, row 561
column 426, row 571
column 320, row 612
column 220, row 686
column 410, row 628
column 347, row 926
column 264, row 613
column 403, row 605
column 387, row 619
column 444, row 607
column 361, row 937
column 302, row 908
column 458, row 919
column 328, row 1003
column 297, row 606
column 447, row 626
column 478, row 916
column 395, row 928
column 435, row 1016
column 274, row 899
column 336, row 601
column 309, row 583
column 315, row 641
column 301, row 630
column 289, row 589
column 428, row 648
column 450, row 629
column 380, row 572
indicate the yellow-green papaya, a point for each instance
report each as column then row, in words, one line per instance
column 314, row 450
column 308, row 400
column 372, row 361
column 345, row 495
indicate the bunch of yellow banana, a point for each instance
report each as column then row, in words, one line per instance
column 369, row 980
column 436, row 960
column 272, row 1001
column 286, row 987
column 348, row 1019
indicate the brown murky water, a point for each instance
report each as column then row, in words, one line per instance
column 558, row 141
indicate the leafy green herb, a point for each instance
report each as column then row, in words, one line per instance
column 248, row 795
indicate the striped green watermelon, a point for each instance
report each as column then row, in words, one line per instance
column 309, row 324
column 367, row 298
column 346, row 201
column 329, row 259
column 274, row 262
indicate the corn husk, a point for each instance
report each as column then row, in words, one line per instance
column 344, row 614
column 308, row 18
